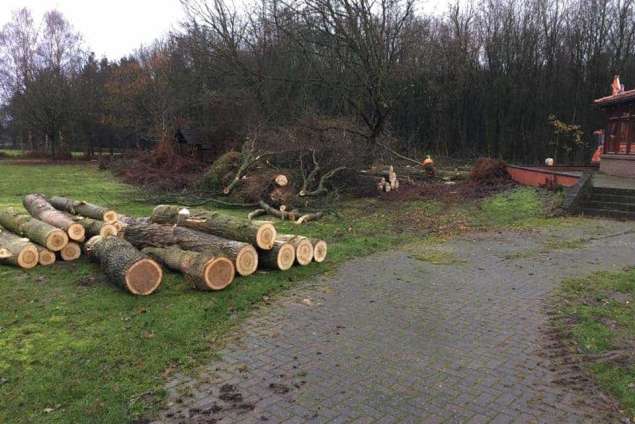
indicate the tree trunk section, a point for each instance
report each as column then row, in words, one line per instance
column 206, row 272
column 37, row 231
column 71, row 252
column 17, row 251
column 244, row 256
column 95, row 227
column 303, row 247
column 46, row 257
column 281, row 256
column 320, row 249
column 124, row 265
column 82, row 208
column 40, row 208
column 219, row 225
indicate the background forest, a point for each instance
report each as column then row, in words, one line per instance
column 485, row 78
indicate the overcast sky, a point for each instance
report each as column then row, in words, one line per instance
column 111, row 28
column 114, row 28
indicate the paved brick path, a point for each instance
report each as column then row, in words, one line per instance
column 391, row 338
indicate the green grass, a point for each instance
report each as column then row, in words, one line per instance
column 74, row 348
column 599, row 316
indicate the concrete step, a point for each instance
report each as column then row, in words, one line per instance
column 616, row 206
column 618, row 214
column 613, row 191
column 612, row 198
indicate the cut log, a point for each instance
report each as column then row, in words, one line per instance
column 319, row 250
column 124, row 265
column 40, row 208
column 281, row 256
column 303, row 247
column 255, row 213
column 309, row 217
column 291, row 215
column 206, row 272
column 88, row 210
column 243, row 255
column 46, row 257
column 70, row 252
column 219, row 225
column 17, row 251
column 281, row 180
column 95, row 227
column 37, row 231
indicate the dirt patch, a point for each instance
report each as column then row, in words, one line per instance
column 447, row 191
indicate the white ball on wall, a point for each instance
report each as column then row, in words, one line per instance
column 549, row 161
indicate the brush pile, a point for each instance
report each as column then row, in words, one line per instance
column 208, row 247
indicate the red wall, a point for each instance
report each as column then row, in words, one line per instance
column 537, row 177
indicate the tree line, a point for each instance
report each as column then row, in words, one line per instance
column 484, row 78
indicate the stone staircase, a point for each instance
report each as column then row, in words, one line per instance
column 612, row 202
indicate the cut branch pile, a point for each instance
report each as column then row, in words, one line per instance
column 208, row 247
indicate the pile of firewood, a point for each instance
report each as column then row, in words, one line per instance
column 208, row 247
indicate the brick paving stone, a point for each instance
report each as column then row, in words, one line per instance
column 393, row 339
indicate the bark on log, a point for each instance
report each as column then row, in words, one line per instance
column 95, row 227
column 71, row 252
column 82, row 208
column 37, row 231
column 206, row 272
column 124, row 265
column 283, row 215
column 219, row 225
column 243, row 255
column 309, row 217
column 303, row 247
column 320, row 249
column 46, row 257
column 281, row 256
column 40, row 208
column 17, row 251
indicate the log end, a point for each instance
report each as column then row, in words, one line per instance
column 144, row 277
column 71, row 252
column 110, row 217
column 286, row 256
column 108, row 230
column 304, row 252
column 28, row 258
column 319, row 250
column 266, row 236
column 247, row 261
column 47, row 257
column 76, row 232
column 219, row 273
column 56, row 240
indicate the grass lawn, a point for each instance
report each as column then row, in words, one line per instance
column 74, row 348
column 598, row 314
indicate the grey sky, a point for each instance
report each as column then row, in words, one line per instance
column 114, row 28
column 111, row 28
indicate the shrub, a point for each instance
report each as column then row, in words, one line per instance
column 221, row 172
column 489, row 171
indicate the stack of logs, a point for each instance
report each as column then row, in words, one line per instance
column 388, row 181
column 208, row 247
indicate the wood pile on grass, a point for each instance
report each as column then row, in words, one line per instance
column 208, row 247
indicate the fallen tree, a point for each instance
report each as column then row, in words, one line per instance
column 218, row 224
column 46, row 257
column 71, row 252
column 35, row 230
column 320, row 249
column 204, row 271
column 303, row 247
column 124, row 265
column 95, row 227
column 281, row 256
column 82, row 208
column 40, row 208
column 243, row 255
column 17, row 251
